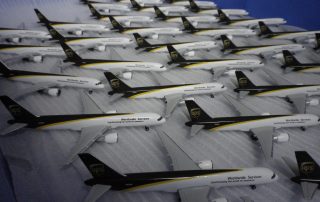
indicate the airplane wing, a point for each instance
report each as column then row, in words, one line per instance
column 87, row 137
column 90, row 106
column 160, row 79
column 308, row 189
column 12, row 128
column 299, row 102
column 96, row 191
column 195, row 129
column 241, row 108
column 265, row 137
column 217, row 72
column 279, row 80
column 31, row 89
column 199, row 194
column 292, row 165
column 180, row 160
column 171, row 102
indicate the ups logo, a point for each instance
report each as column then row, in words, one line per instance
column 226, row 43
column 186, row 24
column 222, row 15
column 307, row 167
column 263, row 28
column 15, row 110
column 69, row 53
column 40, row 16
column 53, row 32
column 174, row 55
column 92, row 10
column 289, row 58
column 115, row 83
column 114, row 23
column 158, row 12
column 243, row 81
column 140, row 41
column 195, row 113
column 97, row 169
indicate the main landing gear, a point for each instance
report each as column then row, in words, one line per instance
column 146, row 128
column 253, row 187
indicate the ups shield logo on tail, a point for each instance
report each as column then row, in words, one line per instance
column 140, row 41
column 92, row 10
column 226, row 43
column 115, row 83
column 243, row 81
column 158, row 12
column 289, row 59
column 15, row 110
column 195, row 113
column 263, row 28
column 53, row 32
column 307, row 168
column 69, row 53
column 174, row 55
column 97, row 170
column 186, row 24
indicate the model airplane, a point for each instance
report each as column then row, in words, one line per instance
column 262, row 127
column 32, row 53
column 72, row 28
column 251, row 23
column 188, row 48
column 201, row 4
column 166, row 9
column 119, row 67
column 215, row 32
column 171, row 94
column 47, row 83
column 109, row 7
column 195, row 20
column 93, row 123
column 307, row 173
column 17, row 35
column 266, row 32
column 152, row 32
column 296, row 94
column 292, row 63
column 191, row 180
column 123, row 19
column 260, row 50
column 216, row 66
column 91, row 43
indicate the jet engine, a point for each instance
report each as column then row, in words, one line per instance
column 154, row 36
column 206, row 165
column 35, row 58
column 104, row 10
column 100, row 48
column 265, row 114
column 189, row 53
column 281, row 138
column 110, row 138
column 14, row 40
column 230, row 73
column 76, row 32
column 189, row 98
column 127, row 75
column 313, row 102
column 112, row 112
column 55, row 92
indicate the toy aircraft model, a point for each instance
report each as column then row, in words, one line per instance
column 165, row 9
column 188, row 48
column 194, row 7
column 262, row 127
column 291, row 62
column 91, row 43
column 307, row 173
column 16, row 35
column 119, row 67
column 123, row 19
column 195, row 20
column 47, row 83
column 191, row 180
column 215, row 32
column 216, row 66
column 172, row 94
column 72, row 28
column 152, row 32
column 109, row 7
column 201, row 4
column 93, row 123
column 31, row 52
column 251, row 23
column 261, row 50
column 298, row 95
column 266, row 32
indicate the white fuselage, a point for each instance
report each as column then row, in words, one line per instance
column 107, row 7
column 167, row 9
column 61, row 81
column 242, row 177
column 233, row 32
column 33, row 34
column 108, row 41
column 255, row 22
column 308, row 90
column 274, row 49
column 196, row 19
column 44, row 51
column 201, row 4
column 81, row 27
column 291, row 36
column 296, row 120
column 131, row 19
column 229, row 64
column 113, row 121
column 196, row 89
column 201, row 45
column 127, row 66
column 239, row 12
column 155, row 31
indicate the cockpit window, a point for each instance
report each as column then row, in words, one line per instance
column 159, row 119
column 99, row 83
column 273, row 176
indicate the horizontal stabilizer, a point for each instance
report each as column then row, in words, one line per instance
column 12, row 128
column 96, row 192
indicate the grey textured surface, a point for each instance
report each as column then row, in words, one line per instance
column 138, row 150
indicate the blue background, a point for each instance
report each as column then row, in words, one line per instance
column 301, row 13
